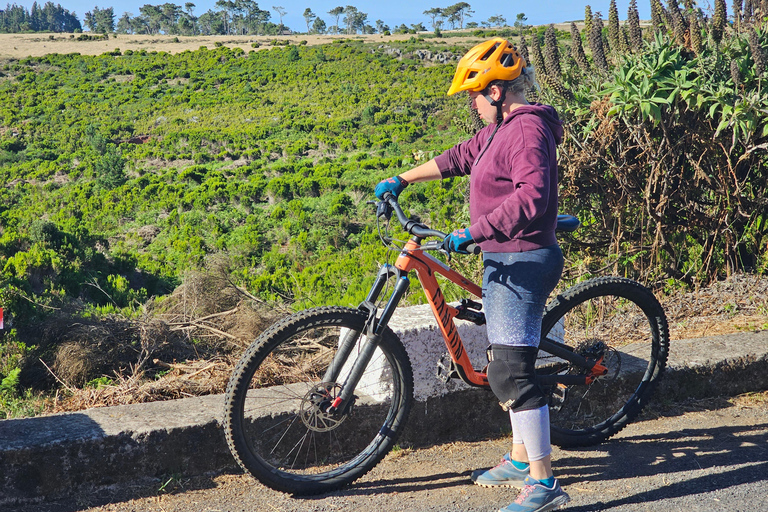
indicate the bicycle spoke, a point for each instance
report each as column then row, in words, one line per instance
column 290, row 430
column 603, row 320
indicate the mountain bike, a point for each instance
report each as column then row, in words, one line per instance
column 321, row 396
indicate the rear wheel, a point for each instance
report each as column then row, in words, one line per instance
column 280, row 424
column 616, row 320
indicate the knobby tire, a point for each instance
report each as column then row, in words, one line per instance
column 275, row 425
column 622, row 321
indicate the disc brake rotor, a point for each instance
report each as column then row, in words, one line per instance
column 316, row 412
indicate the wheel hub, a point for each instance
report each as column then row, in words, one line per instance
column 317, row 411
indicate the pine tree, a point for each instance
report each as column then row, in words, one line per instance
column 552, row 53
column 596, row 43
column 635, row 33
column 613, row 28
column 718, row 21
column 577, row 49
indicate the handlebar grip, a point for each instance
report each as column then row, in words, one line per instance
column 474, row 249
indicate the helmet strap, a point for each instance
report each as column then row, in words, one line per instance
column 497, row 103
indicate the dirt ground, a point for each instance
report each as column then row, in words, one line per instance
column 698, row 456
column 19, row 46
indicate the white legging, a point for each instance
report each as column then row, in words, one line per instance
column 531, row 428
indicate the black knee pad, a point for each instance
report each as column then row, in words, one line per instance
column 512, row 376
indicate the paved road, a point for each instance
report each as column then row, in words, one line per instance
column 699, row 457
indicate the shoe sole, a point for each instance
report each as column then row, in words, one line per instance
column 517, row 485
column 558, row 502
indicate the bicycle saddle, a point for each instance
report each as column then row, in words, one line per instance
column 567, row 223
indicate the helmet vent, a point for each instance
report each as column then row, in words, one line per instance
column 489, row 52
column 472, row 74
column 508, row 60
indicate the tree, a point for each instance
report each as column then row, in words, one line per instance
column 520, row 22
column 460, row 11
column 125, row 24
column 100, row 20
column 151, row 19
column 336, row 12
column 435, row 13
column 211, row 23
column 226, row 7
column 280, row 10
column 318, row 27
column 89, row 20
column 256, row 19
column 309, row 17
column 169, row 17
column 418, row 27
column 497, row 21
column 354, row 19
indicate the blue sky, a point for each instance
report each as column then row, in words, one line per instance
column 392, row 12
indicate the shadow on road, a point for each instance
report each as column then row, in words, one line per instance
column 423, row 483
column 670, row 453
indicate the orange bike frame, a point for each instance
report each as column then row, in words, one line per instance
column 427, row 267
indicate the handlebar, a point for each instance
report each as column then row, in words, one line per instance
column 389, row 204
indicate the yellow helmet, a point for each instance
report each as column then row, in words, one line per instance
column 492, row 60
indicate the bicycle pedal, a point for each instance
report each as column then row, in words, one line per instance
column 446, row 368
column 559, row 394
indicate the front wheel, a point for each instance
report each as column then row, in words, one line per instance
column 616, row 320
column 280, row 423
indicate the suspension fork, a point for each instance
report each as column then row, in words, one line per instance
column 373, row 329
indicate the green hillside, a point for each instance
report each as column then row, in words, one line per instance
column 128, row 170
column 142, row 193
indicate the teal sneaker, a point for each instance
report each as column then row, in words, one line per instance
column 537, row 497
column 503, row 475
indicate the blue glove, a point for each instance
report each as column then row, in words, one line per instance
column 394, row 185
column 458, row 241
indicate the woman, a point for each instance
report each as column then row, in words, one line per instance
column 512, row 164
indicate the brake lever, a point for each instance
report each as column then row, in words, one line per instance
column 383, row 209
column 437, row 246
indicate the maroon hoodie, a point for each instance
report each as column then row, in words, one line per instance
column 513, row 185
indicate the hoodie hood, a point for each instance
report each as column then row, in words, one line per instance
column 545, row 112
